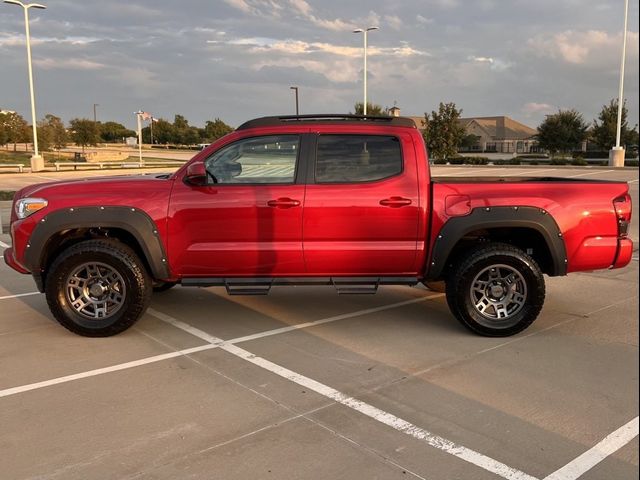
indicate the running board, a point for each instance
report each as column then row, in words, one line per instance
column 262, row 285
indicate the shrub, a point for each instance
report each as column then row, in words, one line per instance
column 439, row 161
column 579, row 161
column 476, row 160
column 456, row 160
column 630, row 163
column 524, row 156
column 559, row 161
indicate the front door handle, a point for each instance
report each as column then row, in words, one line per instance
column 284, row 202
column 395, row 202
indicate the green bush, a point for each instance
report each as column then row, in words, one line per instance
column 439, row 161
column 559, row 161
column 579, row 161
column 630, row 163
column 456, row 160
column 540, row 156
column 476, row 160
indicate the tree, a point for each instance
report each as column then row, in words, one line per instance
column 216, row 129
column 51, row 133
column 562, row 132
column 112, row 132
column 469, row 141
column 372, row 109
column 162, row 131
column 442, row 132
column 16, row 129
column 84, row 132
column 603, row 134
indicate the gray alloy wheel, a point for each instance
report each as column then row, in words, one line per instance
column 95, row 290
column 498, row 293
column 495, row 289
column 98, row 287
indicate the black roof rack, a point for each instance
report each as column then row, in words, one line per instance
column 326, row 118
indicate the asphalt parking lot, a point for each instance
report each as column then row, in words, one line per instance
column 306, row 384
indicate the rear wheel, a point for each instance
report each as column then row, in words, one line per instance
column 98, row 288
column 497, row 290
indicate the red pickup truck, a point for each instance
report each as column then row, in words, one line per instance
column 328, row 199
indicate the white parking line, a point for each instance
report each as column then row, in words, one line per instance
column 4, row 245
column 278, row 331
column 198, row 333
column 473, row 172
column 589, row 459
column 19, row 295
column 397, row 423
column 517, row 174
column 100, row 371
column 590, row 173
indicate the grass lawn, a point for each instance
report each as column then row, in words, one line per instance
column 15, row 157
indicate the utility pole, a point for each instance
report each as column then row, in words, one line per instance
column 365, row 31
column 95, row 117
column 37, row 163
column 616, row 154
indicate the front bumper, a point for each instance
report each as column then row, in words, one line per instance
column 10, row 259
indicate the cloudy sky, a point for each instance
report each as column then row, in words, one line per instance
column 236, row 59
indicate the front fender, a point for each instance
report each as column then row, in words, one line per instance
column 130, row 219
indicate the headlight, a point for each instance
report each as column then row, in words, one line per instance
column 27, row 206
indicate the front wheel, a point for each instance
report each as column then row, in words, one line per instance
column 497, row 290
column 98, row 288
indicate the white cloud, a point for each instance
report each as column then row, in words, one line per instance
column 537, row 108
column 68, row 64
column 13, row 40
column 394, row 21
column 591, row 47
column 298, row 47
column 424, row 20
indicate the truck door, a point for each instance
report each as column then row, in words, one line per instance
column 361, row 213
column 247, row 221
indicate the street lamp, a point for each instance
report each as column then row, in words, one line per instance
column 297, row 109
column 37, row 163
column 616, row 155
column 365, row 31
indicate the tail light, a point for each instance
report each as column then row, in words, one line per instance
column 622, row 206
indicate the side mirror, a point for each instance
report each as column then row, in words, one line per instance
column 196, row 175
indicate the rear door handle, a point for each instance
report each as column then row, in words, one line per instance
column 284, row 202
column 395, row 202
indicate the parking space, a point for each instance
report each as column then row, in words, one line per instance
column 304, row 383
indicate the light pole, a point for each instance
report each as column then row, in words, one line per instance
column 297, row 109
column 95, row 117
column 616, row 155
column 365, row 31
column 37, row 163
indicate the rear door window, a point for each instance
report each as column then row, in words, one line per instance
column 357, row 158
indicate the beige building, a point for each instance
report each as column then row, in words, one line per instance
column 498, row 134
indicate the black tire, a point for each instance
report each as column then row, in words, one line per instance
column 496, row 290
column 162, row 286
column 98, row 288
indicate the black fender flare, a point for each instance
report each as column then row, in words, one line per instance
column 133, row 220
column 498, row 217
